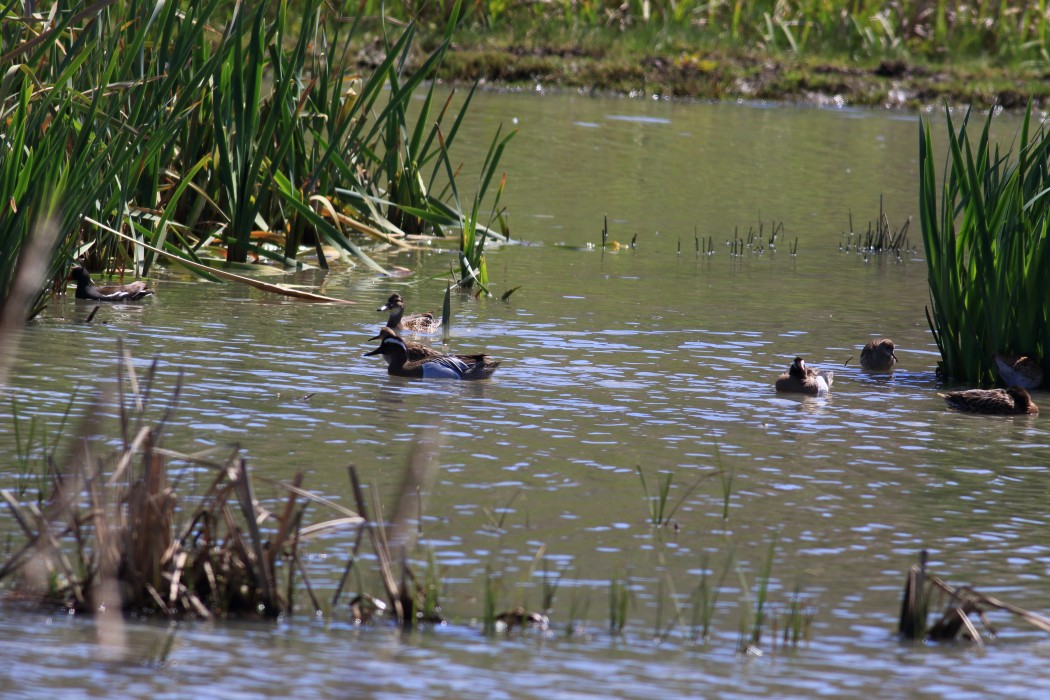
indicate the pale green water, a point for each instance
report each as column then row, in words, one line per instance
column 638, row 357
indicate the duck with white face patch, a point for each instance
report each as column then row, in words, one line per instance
column 419, row 323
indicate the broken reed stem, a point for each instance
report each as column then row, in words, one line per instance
column 378, row 545
column 963, row 602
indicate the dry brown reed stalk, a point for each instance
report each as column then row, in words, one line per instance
column 957, row 620
column 404, row 600
column 114, row 542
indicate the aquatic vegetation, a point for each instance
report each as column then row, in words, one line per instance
column 222, row 137
column 113, row 538
column 878, row 239
column 659, row 514
column 756, row 242
column 984, row 229
column 753, row 610
column 35, row 448
column 704, row 598
column 619, row 598
column 797, row 620
column 488, row 615
column 963, row 607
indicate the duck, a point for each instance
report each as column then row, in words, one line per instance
column 86, row 289
column 422, row 323
column 878, row 356
column 419, row 351
column 800, row 379
column 1013, row 400
column 1019, row 370
column 395, row 352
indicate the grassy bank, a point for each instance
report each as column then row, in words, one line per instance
column 860, row 53
column 730, row 73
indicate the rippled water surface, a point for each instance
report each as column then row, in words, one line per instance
column 649, row 356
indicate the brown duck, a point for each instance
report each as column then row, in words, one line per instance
column 1019, row 370
column 422, row 323
column 800, row 379
column 878, row 356
column 1013, row 400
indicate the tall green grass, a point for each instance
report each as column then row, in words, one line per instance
column 985, row 231
column 223, row 133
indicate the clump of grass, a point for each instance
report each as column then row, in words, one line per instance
column 753, row 618
column 704, row 598
column 660, row 515
column 879, row 238
column 619, row 599
column 756, row 242
column 579, row 605
column 35, row 450
column 491, row 601
column 984, row 232
column 797, row 620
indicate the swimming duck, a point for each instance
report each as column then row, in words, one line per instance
column 877, row 355
column 86, row 289
column 395, row 352
column 423, row 323
column 800, row 379
column 419, row 351
column 1013, row 400
column 1019, row 370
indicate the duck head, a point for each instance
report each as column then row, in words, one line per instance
column 1022, row 399
column 394, row 302
column 383, row 334
column 392, row 348
column 396, row 306
column 80, row 276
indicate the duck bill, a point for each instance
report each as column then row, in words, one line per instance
column 377, row 351
column 384, row 307
column 376, row 337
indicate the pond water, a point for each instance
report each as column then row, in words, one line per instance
column 651, row 357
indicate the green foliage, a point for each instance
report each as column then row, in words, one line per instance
column 208, row 130
column 1012, row 30
column 619, row 597
column 660, row 512
column 987, row 249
